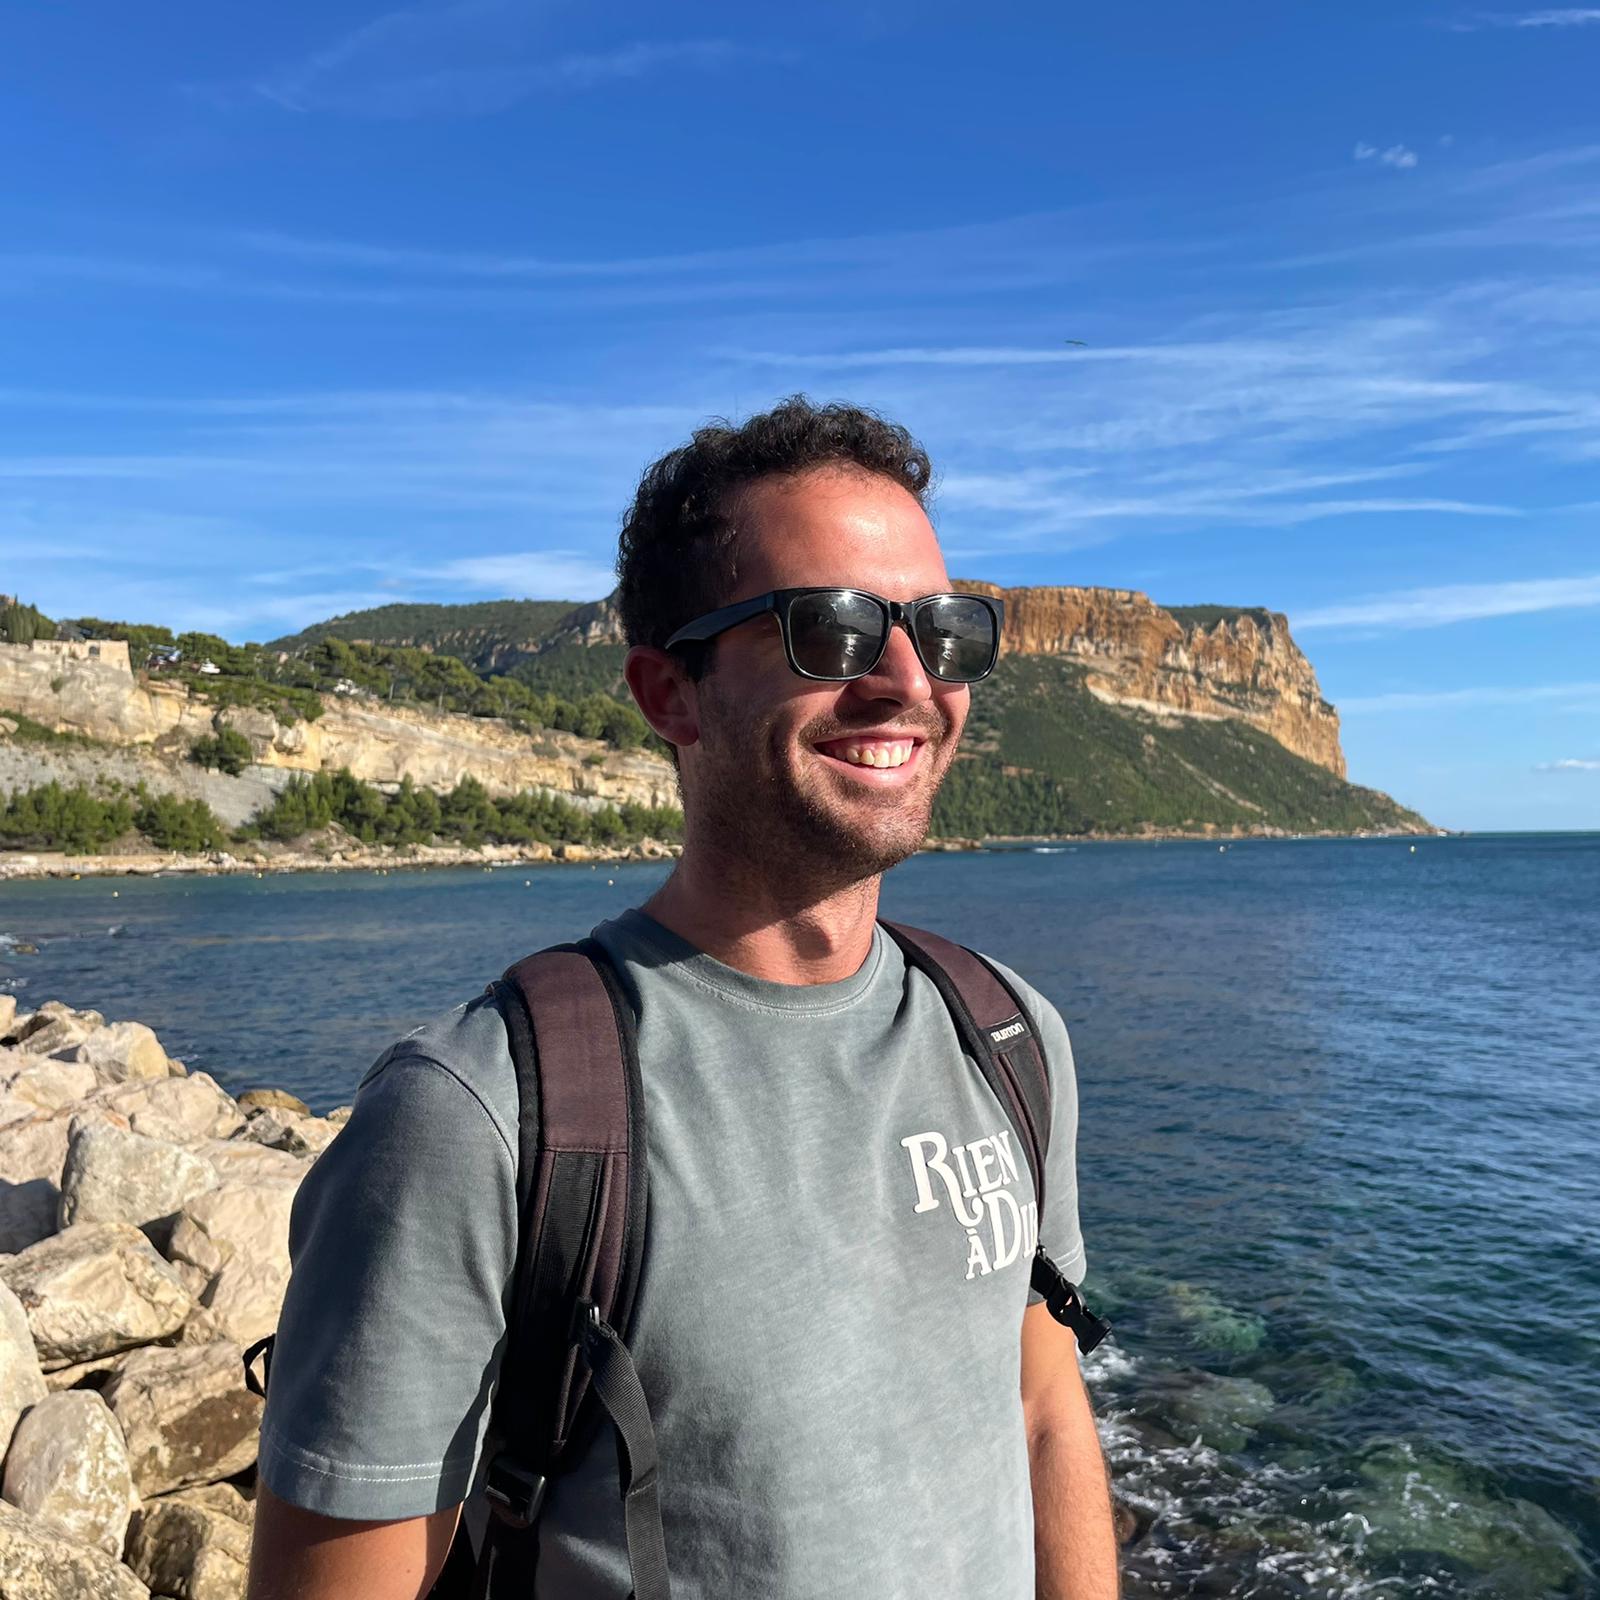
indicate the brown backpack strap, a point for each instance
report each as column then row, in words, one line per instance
column 582, row 1194
column 996, row 1032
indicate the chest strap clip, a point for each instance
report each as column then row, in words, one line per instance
column 1066, row 1304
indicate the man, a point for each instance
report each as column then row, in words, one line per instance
column 849, row 1396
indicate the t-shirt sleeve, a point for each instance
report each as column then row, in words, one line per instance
column 1059, row 1232
column 402, row 1242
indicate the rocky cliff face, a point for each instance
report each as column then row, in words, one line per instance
column 1242, row 665
column 378, row 743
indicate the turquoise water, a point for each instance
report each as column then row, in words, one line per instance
column 1341, row 1116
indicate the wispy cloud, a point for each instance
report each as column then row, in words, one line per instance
column 1571, row 764
column 461, row 59
column 1565, row 696
column 1397, row 155
column 1559, row 17
column 530, row 574
column 1462, row 602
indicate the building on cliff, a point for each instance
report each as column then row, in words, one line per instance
column 109, row 652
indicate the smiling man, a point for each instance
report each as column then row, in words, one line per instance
column 851, row 1391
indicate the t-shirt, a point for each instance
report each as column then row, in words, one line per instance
column 828, row 1323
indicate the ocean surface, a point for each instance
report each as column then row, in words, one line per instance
column 1340, row 1152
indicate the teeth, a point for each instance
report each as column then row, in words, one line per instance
column 878, row 755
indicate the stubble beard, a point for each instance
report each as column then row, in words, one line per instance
column 803, row 829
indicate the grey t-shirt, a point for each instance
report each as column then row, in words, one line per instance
column 829, row 1321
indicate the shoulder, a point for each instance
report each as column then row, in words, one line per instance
column 457, row 1063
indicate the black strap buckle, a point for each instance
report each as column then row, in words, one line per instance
column 1066, row 1304
column 514, row 1492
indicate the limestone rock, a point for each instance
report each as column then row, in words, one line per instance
column 8, row 1013
column 239, row 1234
column 67, row 1466
column 77, row 1375
column 21, row 1383
column 35, row 1148
column 95, row 1288
column 1134, row 652
column 120, row 1052
column 183, row 1110
column 272, row 1099
column 283, row 1130
column 186, row 1415
column 194, row 1545
column 54, row 1026
column 243, row 1160
column 46, row 1085
column 113, row 1176
column 340, row 1115
column 38, row 1563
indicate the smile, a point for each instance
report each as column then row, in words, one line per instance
column 880, row 754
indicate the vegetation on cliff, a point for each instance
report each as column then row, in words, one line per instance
column 476, row 633
column 1043, row 756
column 466, row 815
column 81, row 820
column 22, row 624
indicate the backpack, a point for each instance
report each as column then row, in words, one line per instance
column 582, row 1200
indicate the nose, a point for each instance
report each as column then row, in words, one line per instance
column 899, row 675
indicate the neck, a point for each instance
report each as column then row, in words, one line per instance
column 764, row 923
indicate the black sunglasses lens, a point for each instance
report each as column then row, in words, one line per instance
column 836, row 633
column 956, row 637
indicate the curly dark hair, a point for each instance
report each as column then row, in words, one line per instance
column 675, row 557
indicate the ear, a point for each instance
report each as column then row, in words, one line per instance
column 664, row 694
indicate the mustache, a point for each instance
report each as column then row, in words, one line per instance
column 929, row 727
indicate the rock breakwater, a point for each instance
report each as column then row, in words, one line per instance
column 144, row 1243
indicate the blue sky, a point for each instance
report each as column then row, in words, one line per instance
column 307, row 308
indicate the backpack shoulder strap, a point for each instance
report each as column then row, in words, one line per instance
column 996, row 1031
column 582, row 1196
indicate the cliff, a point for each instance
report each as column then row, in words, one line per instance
column 377, row 742
column 1208, row 662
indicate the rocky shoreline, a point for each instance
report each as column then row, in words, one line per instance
column 326, row 856
column 350, row 856
column 144, row 1243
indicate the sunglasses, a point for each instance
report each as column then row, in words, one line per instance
column 839, row 634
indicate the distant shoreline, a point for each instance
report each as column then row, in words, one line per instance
column 260, row 860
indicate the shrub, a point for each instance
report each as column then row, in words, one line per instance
column 228, row 751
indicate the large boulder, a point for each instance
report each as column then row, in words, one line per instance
column 186, row 1415
column 45, row 1084
column 238, row 1233
column 38, row 1563
column 120, row 1052
column 54, row 1026
column 184, row 1110
column 242, row 1160
column 116, row 1176
column 194, row 1545
column 21, row 1382
column 95, row 1288
column 67, row 1465
column 34, row 1147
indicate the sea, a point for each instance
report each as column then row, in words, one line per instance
column 1339, row 1156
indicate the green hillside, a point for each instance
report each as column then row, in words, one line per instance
column 471, row 633
column 570, row 668
column 1043, row 756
